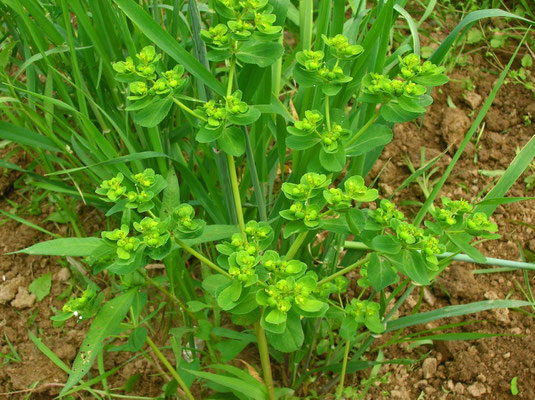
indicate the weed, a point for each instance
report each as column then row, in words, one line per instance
column 241, row 172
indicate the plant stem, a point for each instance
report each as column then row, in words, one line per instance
column 364, row 128
column 201, row 258
column 344, row 271
column 166, row 292
column 343, row 373
column 189, row 110
column 459, row 257
column 264, row 360
column 236, row 194
column 170, row 368
column 296, row 245
column 231, row 74
column 327, row 113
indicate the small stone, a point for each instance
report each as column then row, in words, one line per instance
column 502, row 315
column 63, row 275
column 507, row 355
column 472, row 99
column 429, row 367
column 449, row 385
column 458, row 388
column 490, row 295
column 8, row 289
column 477, row 389
column 23, row 299
column 429, row 297
column 516, row 331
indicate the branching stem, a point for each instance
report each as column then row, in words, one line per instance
column 170, row 368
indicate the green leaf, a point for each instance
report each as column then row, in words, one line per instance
column 154, row 113
column 395, row 113
column 306, row 78
column 106, row 322
column 333, row 162
column 196, row 306
column 26, row 137
column 40, row 287
column 150, row 28
column 453, row 311
column 276, row 317
column 502, row 200
column 73, row 247
column 236, row 385
column 376, row 135
column 229, row 349
column 259, row 53
column 206, row 135
column 464, row 245
column 226, row 296
column 213, row 233
column 247, row 118
column 301, row 142
column 291, row 339
column 408, row 104
column 171, row 194
column 232, row 141
column 137, row 338
column 386, row 244
column 380, row 273
column 413, row 266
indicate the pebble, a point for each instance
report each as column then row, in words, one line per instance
column 429, row 367
column 63, row 275
column 23, row 299
column 458, row 388
column 429, row 298
column 8, row 289
column 477, row 389
column 472, row 99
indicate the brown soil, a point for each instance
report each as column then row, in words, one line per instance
column 21, row 313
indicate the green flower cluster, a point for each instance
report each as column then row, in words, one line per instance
column 405, row 92
column 331, row 139
column 364, row 312
column 453, row 211
column 286, row 294
column 154, row 231
column 184, row 224
column 79, row 306
column 306, row 211
column 458, row 214
column 245, row 18
column 388, row 89
column 412, row 69
column 218, row 118
column 259, row 236
column 406, row 234
column 341, row 46
column 125, row 245
column 316, row 68
column 146, row 68
column 147, row 184
column 386, row 212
